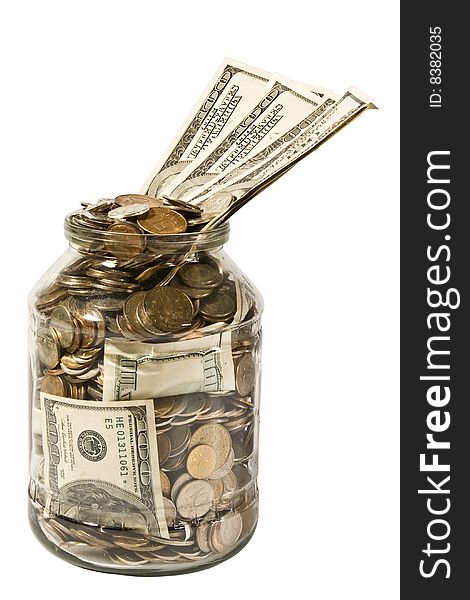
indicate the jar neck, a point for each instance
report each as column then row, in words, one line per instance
column 121, row 247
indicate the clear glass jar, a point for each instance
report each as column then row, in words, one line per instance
column 145, row 375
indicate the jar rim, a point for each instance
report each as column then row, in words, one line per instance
column 93, row 239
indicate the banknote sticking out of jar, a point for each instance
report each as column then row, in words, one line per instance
column 145, row 350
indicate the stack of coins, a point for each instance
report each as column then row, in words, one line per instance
column 206, row 440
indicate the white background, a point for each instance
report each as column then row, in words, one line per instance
column 92, row 93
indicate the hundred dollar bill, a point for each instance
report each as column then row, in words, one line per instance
column 232, row 91
column 222, row 181
column 134, row 370
column 101, row 463
column 254, row 175
column 284, row 104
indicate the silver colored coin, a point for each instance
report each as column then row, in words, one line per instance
column 128, row 211
column 64, row 324
column 217, row 203
column 48, row 347
column 170, row 511
column 225, row 468
column 182, row 479
column 202, row 536
column 194, row 499
column 230, row 528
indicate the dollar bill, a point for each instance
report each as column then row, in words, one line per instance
column 134, row 370
column 234, row 88
column 101, row 463
column 263, row 169
column 224, row 180
column 284, row 104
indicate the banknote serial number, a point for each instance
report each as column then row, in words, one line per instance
column 435, row 67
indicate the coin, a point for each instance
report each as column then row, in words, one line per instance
column 164, row 447
column 218, row 487
column 214, row 541
column 195, row 404
column 245, row 374
column 144, row 320
column 179, row 437
column 163, row 406
column 199, row 275
column 230, row 484
column 179, row 482
column 215, row 435
column 230, row 528
column 163, row 221
column 192, row 292
column 128, row 210
column 130, row 312
column 202, row 533
column 150, row 201
column 201, row 461
column 194, row 499
column 225, row 468
column 168, row 308
column 108, row 304
column 170, row 511
column 48, row 346
column 165, row 484
column 217, row 203
column 53, row 385
column 125, row 241
column 64, row 324
column 217, row 307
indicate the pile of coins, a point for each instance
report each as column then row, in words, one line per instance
column 124, row 548
column 205, row 440
column 130, row 216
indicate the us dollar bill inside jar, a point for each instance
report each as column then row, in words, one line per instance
column 145, row 368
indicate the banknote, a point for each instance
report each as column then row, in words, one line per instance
column 223, row 180
column 101, row 463
column 134, row 370
column 232, row 91
column 284, row 104
column 262, row 170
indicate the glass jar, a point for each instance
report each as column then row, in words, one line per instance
column 144, row 355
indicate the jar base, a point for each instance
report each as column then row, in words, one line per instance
column 156, row 569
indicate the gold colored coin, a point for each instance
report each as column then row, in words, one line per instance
column 127, row 243
column 201, row 461
column 163, row 221
column 130, row 312
column 217, row 307
column 215, row 435
column 168, row 308
column 199, row 275
column 53, row 385
column 165, row 484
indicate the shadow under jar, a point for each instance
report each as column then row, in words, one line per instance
column 145, row 375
